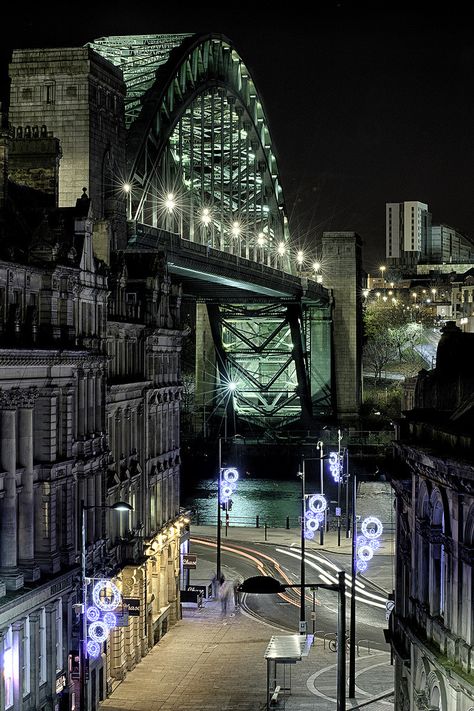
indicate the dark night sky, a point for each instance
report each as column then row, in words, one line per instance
column 365, row 104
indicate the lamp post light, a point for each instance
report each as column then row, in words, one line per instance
column 382, row 269
column 266, row 585
column 118, row 506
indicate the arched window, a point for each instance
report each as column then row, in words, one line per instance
column 439, row 558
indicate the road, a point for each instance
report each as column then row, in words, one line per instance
column 247, row 559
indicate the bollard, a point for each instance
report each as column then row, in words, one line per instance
column 287, row 523
column 265, row 524
column 257, row 522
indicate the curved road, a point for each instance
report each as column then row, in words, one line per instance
column 283, row 610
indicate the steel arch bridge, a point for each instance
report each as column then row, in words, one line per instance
column 201, row 164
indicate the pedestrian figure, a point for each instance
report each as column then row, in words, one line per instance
column 237, row 583
column 214, row 586
column 225, row 594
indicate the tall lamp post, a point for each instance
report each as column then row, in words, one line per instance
column 352, row 634
column 302, row 475
column 118, row 506
column 263, row 584
column 218, row 532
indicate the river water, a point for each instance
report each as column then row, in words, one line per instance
column 273, row 501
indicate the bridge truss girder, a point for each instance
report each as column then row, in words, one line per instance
column 264, row 351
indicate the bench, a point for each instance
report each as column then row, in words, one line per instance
column 274, row 697
column 193, row 597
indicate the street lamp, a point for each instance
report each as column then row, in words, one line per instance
column 118, row 506
column 266, row 585
column 382, row 269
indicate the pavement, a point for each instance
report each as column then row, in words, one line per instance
column 213, row 662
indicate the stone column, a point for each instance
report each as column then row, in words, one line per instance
column 341, row 255
column 26, row 533
column 8, row 512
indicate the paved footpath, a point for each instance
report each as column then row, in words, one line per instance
column 211, row 662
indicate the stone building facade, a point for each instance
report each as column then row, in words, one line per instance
column 432, row 627
column 90, row 391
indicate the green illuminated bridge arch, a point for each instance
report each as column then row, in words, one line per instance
column 201, row 168
column 200, row 156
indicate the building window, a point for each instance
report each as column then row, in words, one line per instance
column 71, row 92
column 27, row 94
column 42, row 647
column 26, row 658
column 8, row 668
column 50, row 93
column 59, row 636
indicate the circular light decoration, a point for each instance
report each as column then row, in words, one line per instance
column 335, row 466
column 230, row 475
column 317, row 503
column 93, row 648
column 365, row 553
column 110, row 619
column 319, row 516
column 98, row 631
column 106, row 595
column 371, row 527
column 312, row 524
column 93, row 614
column 309, row 535
column 226, row 491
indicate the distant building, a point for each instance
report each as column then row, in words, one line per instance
column 408, row 225
column 448, row 246
column 432, row 626
column 411, row 239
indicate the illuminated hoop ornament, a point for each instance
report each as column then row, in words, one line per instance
column 367, row 527
column 111, row 597
column 227, row 491
column 93, row 648
column 312, row 524
column 365, row 553
column 93, row 614
column 230, row 475
column 361, row 565
column 317, row 503
column 110, row 619
column 335, row 466
column 98, row 631
column 309, row 535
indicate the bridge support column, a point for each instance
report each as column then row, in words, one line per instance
column 342, row 261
